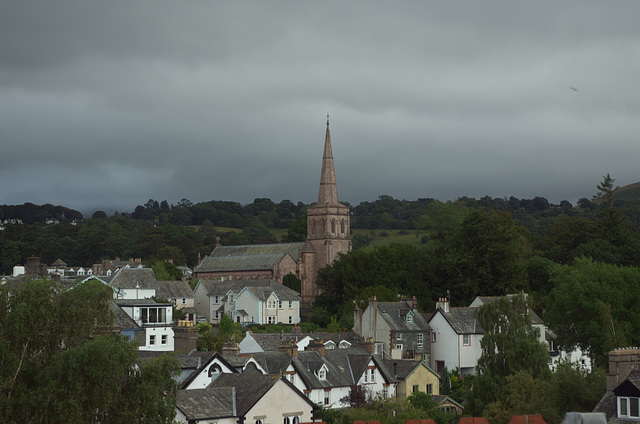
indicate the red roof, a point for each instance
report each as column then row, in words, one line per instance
column 527, row 419
column 427, row 421
column 473, row 420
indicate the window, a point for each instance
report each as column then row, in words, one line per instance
column 628, row 407
column 153, row 315
column 152, row 340
column 322, row 374
column 327, row 398
column 399, row 346
column 184, row 301
column 420, row 341
column 385, row 392
column 271, row 320
column 291, row 304
column 409, row 318
column 399, row 336
column 163, row 339
column 216, row 299
column 259, row 421
column 433, row 337
column 466, row 340
column 290, row 319
column 279, row 304
column 429, row 389
column 369, row 375
column 416, row 388
column 271, row 304
column 439, row 366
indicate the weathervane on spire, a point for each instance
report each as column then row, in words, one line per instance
column 327, row 119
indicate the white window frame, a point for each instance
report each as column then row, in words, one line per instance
column 271, row 319
column 466, row 339
column 152, row 340
column 409, row 318
column 290, row 319
column 322, row 374
column 327, row 398
column 279, row 304
column 626, row 413
column 420, row 339
column 271, row 304
column 163, row 339
column 291, row 304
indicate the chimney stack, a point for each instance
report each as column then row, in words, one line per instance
column 290, row 348
column 442, row 304
column 317, row 346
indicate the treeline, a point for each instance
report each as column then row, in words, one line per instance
column 29, row 213
column 583, row 274
column 182, row 231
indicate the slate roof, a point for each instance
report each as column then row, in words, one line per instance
column 463, row 320
column 129, row 278
column 344, row 367
column 174, row 289
column 262, row 289
column 249, row 388
column 273, row 362
column 202, row 404
column 394, row 314
column 281, row 291
column 120, row 317
column 248, row 257
column 403, row 367
column 270, row 342
column 292, row 249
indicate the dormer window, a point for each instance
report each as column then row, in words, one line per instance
column 628, row 407
column 409, row 318
column 322, row 374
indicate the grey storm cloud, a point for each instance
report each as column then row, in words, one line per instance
column 104, row 105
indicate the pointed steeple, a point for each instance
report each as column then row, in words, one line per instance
column 328, row 188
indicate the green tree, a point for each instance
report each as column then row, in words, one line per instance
column 62, row 363
column 595, row 306
column 509, row 344
column 293, row 282
column 297, row 231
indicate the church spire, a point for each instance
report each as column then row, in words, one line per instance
column 328, row 188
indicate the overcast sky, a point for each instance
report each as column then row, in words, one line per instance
column 104, row 105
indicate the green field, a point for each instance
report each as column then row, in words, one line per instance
column 378, row 237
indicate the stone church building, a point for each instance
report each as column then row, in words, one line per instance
column 328, row 233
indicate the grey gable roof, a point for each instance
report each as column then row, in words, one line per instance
column 262, row 289
column 402, row 368
column 174, row 289
column 292, row 249
column 249, row 257
column 394, row 314
column 120, row 317
column 201, row 404
column 463, row 320
column 130, row 278
column 249, row 388
column 270, row 342
column 344, row 367
column 275, row 363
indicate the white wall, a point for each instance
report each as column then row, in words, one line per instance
column 280, row 401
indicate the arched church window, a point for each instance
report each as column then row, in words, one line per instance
column 333, row 226
column 342, row 226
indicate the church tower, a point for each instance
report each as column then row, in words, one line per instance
column 328, row 223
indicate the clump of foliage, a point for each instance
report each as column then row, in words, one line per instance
column 61, row 361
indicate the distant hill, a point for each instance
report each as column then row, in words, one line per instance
column 629, row 194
